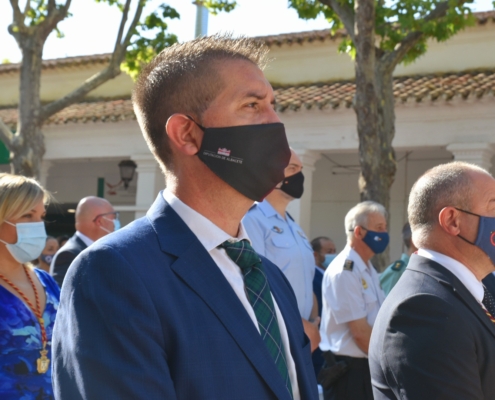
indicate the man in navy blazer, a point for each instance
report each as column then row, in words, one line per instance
column 434, row 335
column 94, row 219
column 158, row 310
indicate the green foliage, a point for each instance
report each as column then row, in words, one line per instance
column 149, row 38
column 36, row 12
column 216, row 6
column 395, row 20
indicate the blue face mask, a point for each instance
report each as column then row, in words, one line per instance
column 116, row 225
column 485, row 239
column 328, row 259
column 376, row 241
column 31, row 240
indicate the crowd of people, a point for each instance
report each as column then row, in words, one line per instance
column 217, row 293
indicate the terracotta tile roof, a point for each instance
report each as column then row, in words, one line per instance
column 407, row 90
column 271, row 40
column 91, row 111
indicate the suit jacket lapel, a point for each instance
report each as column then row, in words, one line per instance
column 448, row 279
column 197, row 270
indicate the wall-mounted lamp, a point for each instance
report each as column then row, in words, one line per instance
column 127, row 169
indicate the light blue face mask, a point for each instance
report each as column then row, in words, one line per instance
column 31, row 240
column 116, row 224
column 328, row 259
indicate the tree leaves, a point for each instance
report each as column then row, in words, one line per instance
column 395, row 21
column 149, row 38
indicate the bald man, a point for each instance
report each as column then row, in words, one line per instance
column 95, row 218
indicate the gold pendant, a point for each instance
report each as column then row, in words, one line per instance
column 43, row 362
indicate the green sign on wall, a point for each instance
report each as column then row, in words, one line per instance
column 4, row 154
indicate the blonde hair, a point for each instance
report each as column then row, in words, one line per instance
column 19, row 194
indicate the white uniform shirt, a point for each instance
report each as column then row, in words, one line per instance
column 87, row 241
column 348, row 295
column 211, row 236
column 285, row 244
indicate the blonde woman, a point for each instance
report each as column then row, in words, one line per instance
column 29, row 297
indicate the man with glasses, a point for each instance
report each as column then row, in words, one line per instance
column 95, row 218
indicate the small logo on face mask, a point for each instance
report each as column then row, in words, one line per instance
column 223, row 152
column 378, row 239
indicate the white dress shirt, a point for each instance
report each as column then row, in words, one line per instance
column 461, row 272
column 87, row 241
column 211, row 236
column 348, row 295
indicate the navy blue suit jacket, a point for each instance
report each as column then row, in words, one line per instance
column 64, row 257
column 145, row 313
column 432, row 339
column 317, row 355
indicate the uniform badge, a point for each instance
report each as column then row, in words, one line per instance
column 398, row 265
column 365, row 285
column 348, row 265
column 277, row 229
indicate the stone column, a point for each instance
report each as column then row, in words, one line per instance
column 150, row 181
column 300, row 209
column 479, row 153
column 44, row 172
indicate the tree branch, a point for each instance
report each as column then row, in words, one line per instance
column 345, row 13
column 110, row 72
column 18, row 15
column 391, row 59
column 6, row 136
column 121, row 27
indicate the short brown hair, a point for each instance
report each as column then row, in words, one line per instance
column 184, row 79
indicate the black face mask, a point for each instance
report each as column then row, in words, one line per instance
column 293, row 185
column 250, row 158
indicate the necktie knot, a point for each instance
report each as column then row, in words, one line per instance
column 242, row 253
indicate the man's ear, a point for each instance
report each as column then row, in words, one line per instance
column 358, row 232
column 449, row 220
column 184, row 135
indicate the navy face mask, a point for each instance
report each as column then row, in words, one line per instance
column 485, row 239
column 376, row 241
column 249, row 158
column 293, row 185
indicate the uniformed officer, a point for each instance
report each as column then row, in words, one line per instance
column 394, row 271
column 351, row 299
column 275, row 235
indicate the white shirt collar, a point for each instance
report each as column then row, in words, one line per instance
column 210, row 235
column 462, row 272
column 87, row 241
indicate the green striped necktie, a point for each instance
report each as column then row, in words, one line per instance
column 258, row 293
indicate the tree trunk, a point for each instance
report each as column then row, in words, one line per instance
column 27, row 148
column 374, row 107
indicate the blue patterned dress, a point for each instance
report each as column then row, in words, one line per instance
column 20, row 344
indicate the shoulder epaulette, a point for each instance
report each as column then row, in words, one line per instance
column 398, row 265
column 348, row 265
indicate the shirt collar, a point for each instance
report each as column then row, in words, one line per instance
column 267, row 209
column 87, row 241
column 210, row 235
column 354, row 256
column 462, row 272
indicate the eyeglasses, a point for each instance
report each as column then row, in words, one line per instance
column 115, row 213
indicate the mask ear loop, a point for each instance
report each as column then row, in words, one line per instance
column 200, row 126
column 467, row 212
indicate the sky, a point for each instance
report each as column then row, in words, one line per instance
column 93, row 27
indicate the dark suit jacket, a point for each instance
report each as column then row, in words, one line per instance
column 432, row 339
column 317, row 355
column 64, row 257
column 145, row 313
